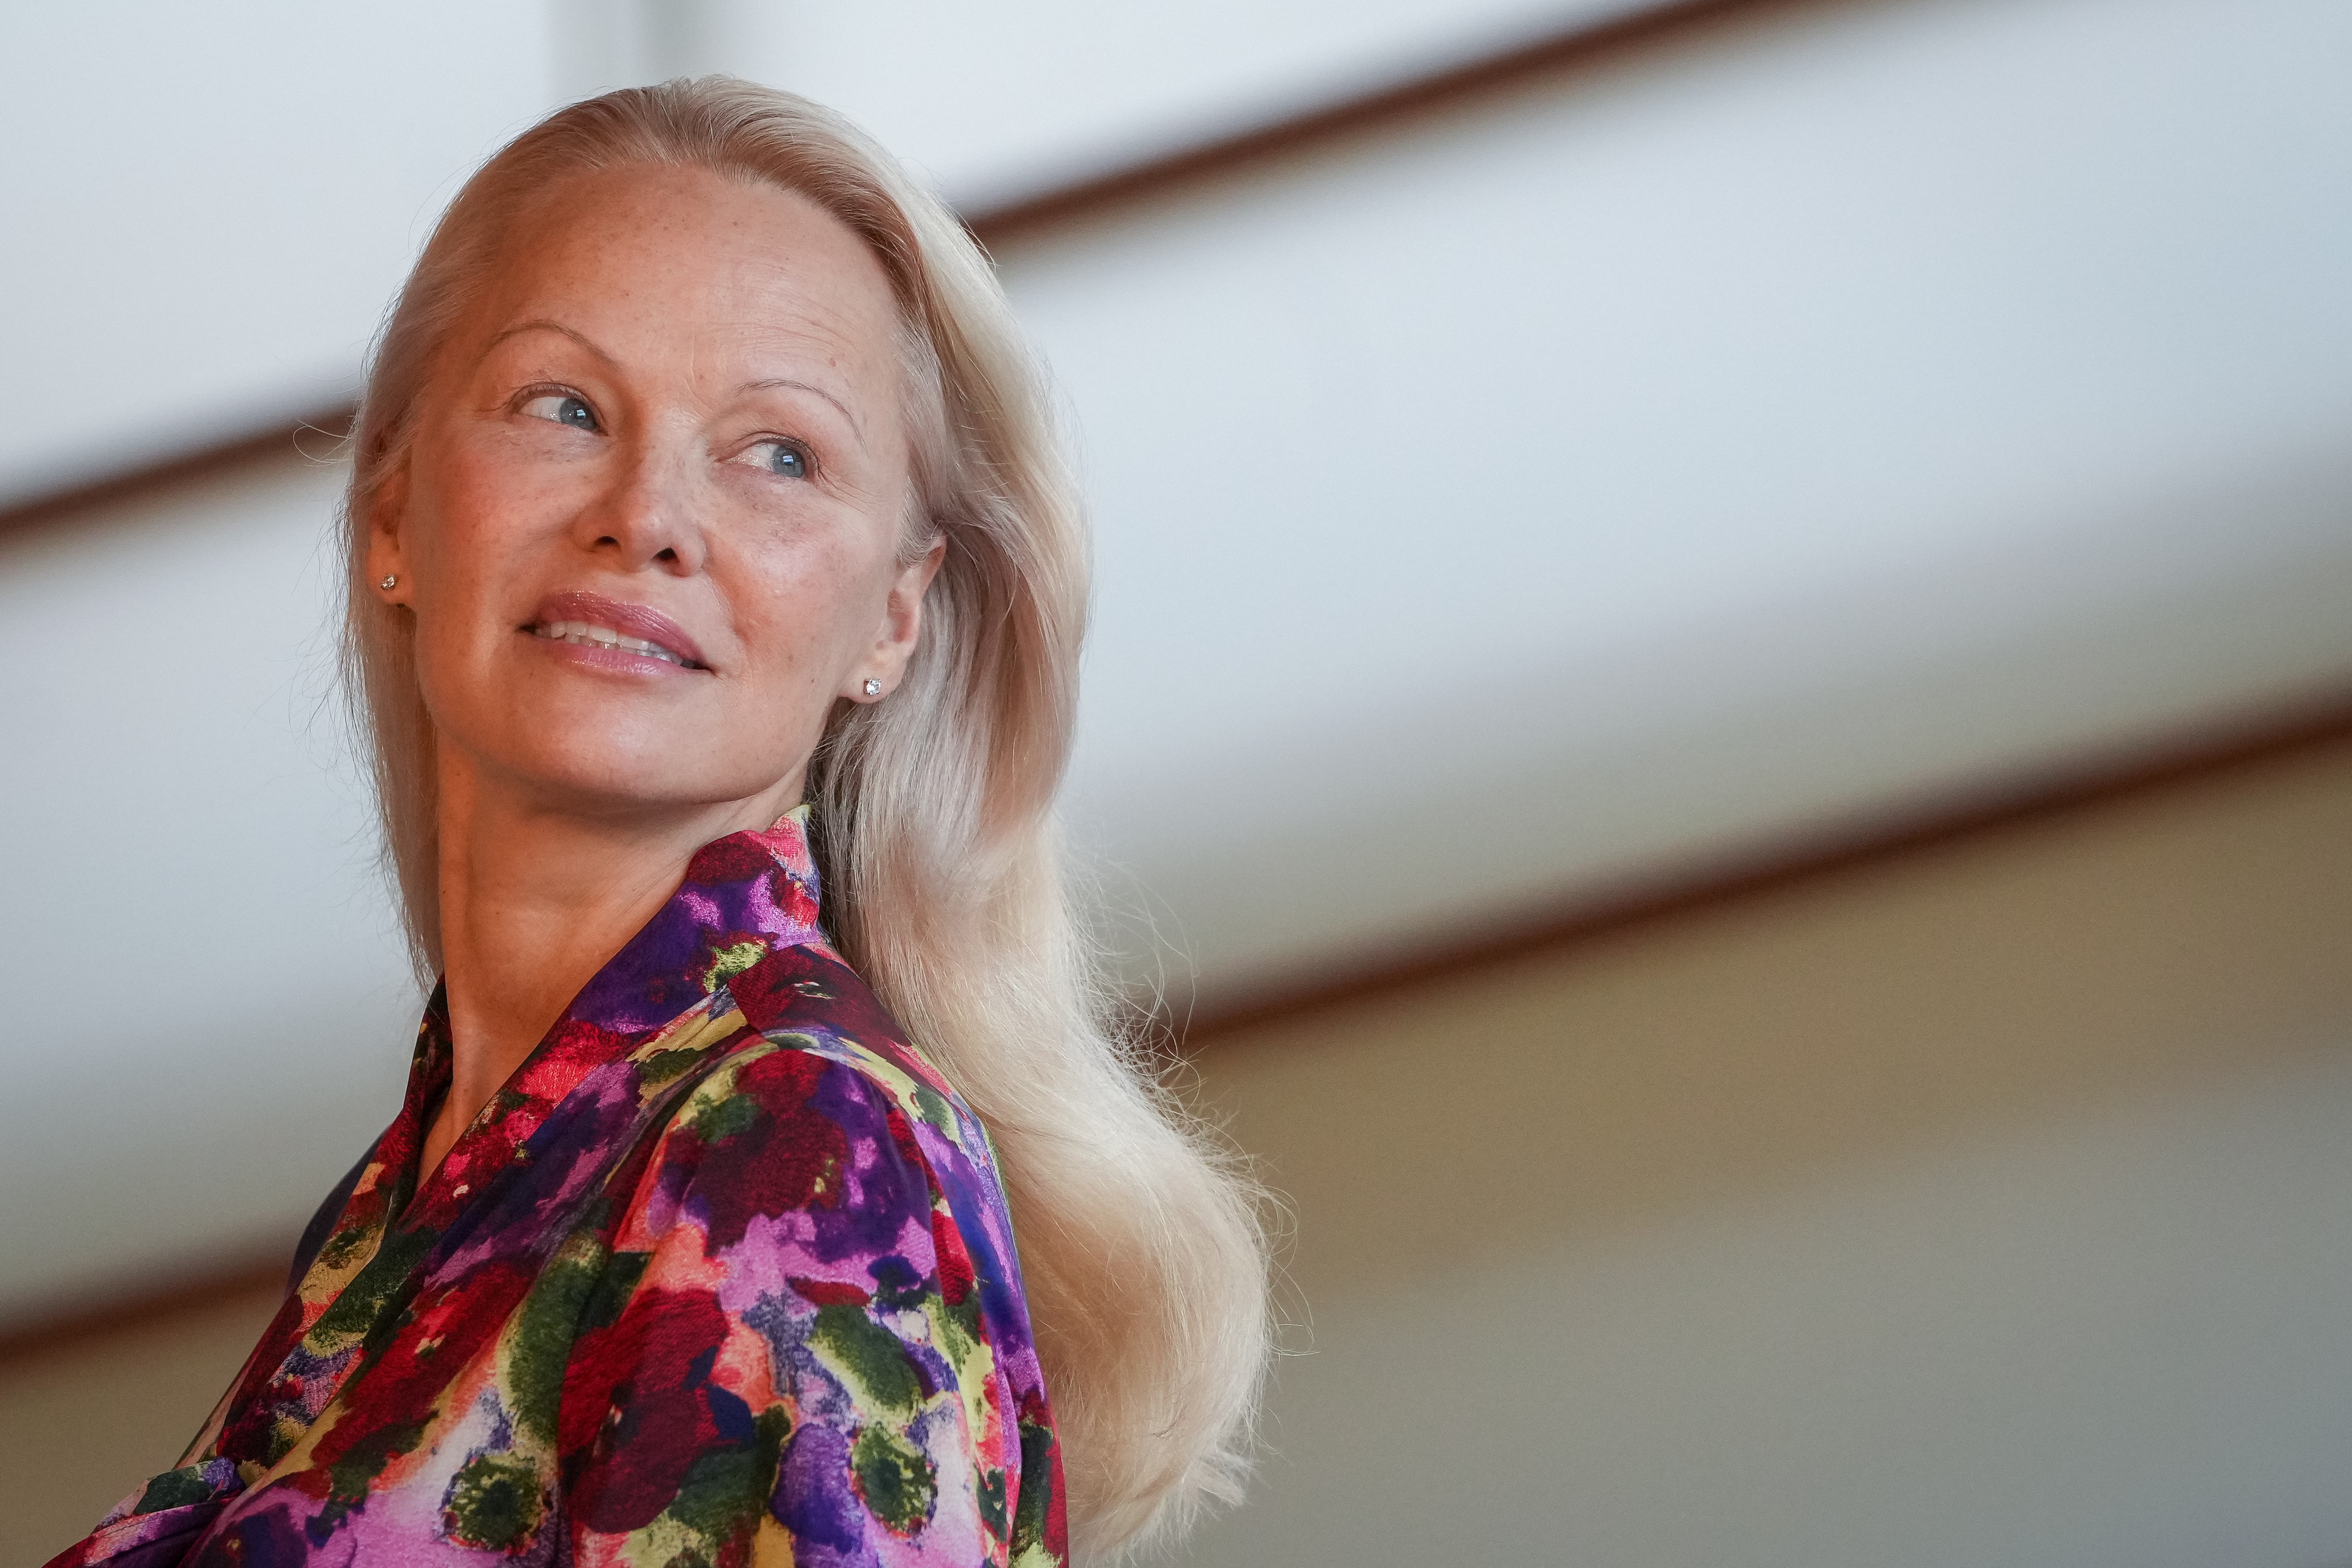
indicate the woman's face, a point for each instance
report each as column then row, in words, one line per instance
column 650, row 519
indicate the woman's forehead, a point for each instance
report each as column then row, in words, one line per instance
column 654, row 262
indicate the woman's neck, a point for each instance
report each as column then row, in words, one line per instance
column 534, row 901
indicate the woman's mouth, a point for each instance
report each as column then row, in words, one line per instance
column 587, row 634
column 618, row 632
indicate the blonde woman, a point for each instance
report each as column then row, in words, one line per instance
column 716, row 589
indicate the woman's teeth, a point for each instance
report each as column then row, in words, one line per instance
column 589, row 635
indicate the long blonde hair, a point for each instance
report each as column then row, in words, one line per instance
column 1140, row 1244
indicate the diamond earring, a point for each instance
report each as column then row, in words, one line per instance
column 873, row 687
column 388, row 581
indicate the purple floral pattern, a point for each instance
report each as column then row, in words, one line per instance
column 722, row 1276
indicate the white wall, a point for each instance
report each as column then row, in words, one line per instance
column 209, row 1011
column 1777, row 430
column 1757, row 437
column 1782, row 429
column 1988, row 1208
column 206, row 208
column 997, row 103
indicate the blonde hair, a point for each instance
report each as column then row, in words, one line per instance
column 1140, row 1244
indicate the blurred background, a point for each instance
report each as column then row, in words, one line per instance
column 1721, row 705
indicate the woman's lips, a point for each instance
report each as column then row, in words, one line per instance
column 593, row 621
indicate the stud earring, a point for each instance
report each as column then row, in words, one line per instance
column 388, row 581
column 873, row 687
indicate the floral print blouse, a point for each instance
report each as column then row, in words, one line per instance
column 724, row 1275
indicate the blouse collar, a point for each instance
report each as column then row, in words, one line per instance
column 743, row 897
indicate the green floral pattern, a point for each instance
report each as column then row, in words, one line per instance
column 724, row 1275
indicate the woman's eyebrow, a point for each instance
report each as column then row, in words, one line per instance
column 765, row 382
column 540, row 324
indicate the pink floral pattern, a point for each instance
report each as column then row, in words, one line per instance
column 724, row 1275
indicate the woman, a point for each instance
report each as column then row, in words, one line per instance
column 714, row 595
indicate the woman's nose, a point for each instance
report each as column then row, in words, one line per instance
column 646, row 516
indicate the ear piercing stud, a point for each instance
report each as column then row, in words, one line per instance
column 389, row 579
column 873, row 687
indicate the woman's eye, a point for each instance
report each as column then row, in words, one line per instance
column 564, row 408
column 788, row 458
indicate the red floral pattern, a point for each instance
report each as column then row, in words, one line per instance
column 724, row 1275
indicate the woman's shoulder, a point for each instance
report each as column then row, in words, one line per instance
column 823, row 1056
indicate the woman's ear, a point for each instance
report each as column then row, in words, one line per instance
column 878, row 674
column 387, row 559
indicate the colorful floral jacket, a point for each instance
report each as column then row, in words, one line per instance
column 722, row 1276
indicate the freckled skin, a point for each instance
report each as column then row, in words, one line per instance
column 609, row 418
column 693, row 287
column 728, row 1274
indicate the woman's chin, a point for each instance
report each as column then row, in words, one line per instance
column 606, row 741
column 602, row 770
